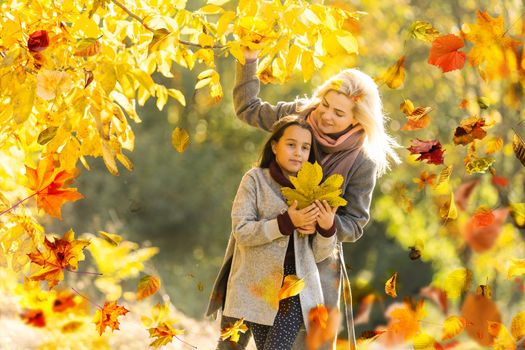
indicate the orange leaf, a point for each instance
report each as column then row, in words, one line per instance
column 48, row 183
column 504, row 339
column 365, row 307
column 404, row 320
column 322, row 327
column 108, row 316
column 64, row 301
column 148, row 285
column 463, row 193
column 417, row 117
column 437, row 295
column 425, row 179
column 34, row 317
column 482, row 238
column 469, row 130
column 483, row 217
column 453, row 326
column 390, row 285
column 62, row 253
column 477, row 311
column 444, row 53
column 395, row 75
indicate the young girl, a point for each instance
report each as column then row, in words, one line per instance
column 265, row 246
column 346, row 115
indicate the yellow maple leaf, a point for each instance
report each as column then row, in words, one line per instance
column 307, row 188
column 457, row 282
column 517, row 327
column 395, row 74
column 516, row 267
column 232, row 332
column 164, row 333
column 490, row 45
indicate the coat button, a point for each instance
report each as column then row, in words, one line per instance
column 282, row 244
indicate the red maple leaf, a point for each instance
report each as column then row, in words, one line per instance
column 430, row 151
column 444, row 53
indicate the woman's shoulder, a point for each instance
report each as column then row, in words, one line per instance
column 257, row 173
column 364, row 161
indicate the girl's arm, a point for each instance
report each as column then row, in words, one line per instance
column 323, row 246
column 248, row 229
column 352, row 218
column 248, row 106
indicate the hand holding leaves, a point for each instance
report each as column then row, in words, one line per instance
column 326, row 216
column 303, row 217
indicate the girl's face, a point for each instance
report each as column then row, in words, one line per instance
column 292, row 149
column 335, row 112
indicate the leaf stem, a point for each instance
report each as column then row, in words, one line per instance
column 76, row 291
column 17, row 204
column 179, row 339
column 85, row 272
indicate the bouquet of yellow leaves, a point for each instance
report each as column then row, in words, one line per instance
column 308, row 187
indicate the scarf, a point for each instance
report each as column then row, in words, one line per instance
column 337, row 156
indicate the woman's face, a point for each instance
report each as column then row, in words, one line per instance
column 335, row 112
column 292, row 149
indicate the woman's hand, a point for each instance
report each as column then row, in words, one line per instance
column 306, row 230
column 326, row 216
column 249, row 54
column 303, row 217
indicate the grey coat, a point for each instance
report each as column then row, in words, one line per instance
column 350, row 219
column 256, row 252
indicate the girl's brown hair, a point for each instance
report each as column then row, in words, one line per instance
column 278, row 128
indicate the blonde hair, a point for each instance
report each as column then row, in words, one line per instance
column 368, row 111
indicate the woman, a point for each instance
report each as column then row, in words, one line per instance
column 265, row 246
column 348, row 123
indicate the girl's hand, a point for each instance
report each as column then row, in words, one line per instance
column 249, row 54
column 306, row 230
column 303, row 217
column 326, row 217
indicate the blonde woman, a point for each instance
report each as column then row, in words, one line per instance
column 348, row 124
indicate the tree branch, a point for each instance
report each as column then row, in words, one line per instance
column 184, row 42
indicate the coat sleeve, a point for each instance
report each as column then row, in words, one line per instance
column 352, row 218
column 248, row 229
column 248, row 106
column 323, row 247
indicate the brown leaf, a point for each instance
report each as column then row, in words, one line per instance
column 518, row 145
column 148, row 285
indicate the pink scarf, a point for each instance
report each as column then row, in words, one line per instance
column 337, row 156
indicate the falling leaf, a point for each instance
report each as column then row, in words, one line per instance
column 429, row 151
column 482, row 237
column 307, row 187
column 148, row 285
column 108, row 316
column 517, row 211
column 292, row 285
column 38, row 41
column 469, row 129
column 231, row 332
column 416, row 249
column 479, row 165
column 111, row 238
column 457, row 282
column 52, row 83
column 424, row 179
column 47, row 135
column 484, row 290
column 483, row 217
column 499, row 181
column 518, row 145
column 405, row 321
column 35, row 318
column 443, row 179
column 517, row 327
column 365, row 338
column 164, row 333
column 323, row 326
column 417, row 117
column 448, row 210
column 365, row 307
column 395, row 75
column 64, row 301
column 437, row 295
column 62, row 253
column 477, row 311
column 444, row 53
column 48, row 183
column 463, row 193
column 423, row 31
column 516, row 268
column 180, row 139
column 390, row 285
column 453, row 326
column 268, row 289
column 423, row 341
column 503, row 339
